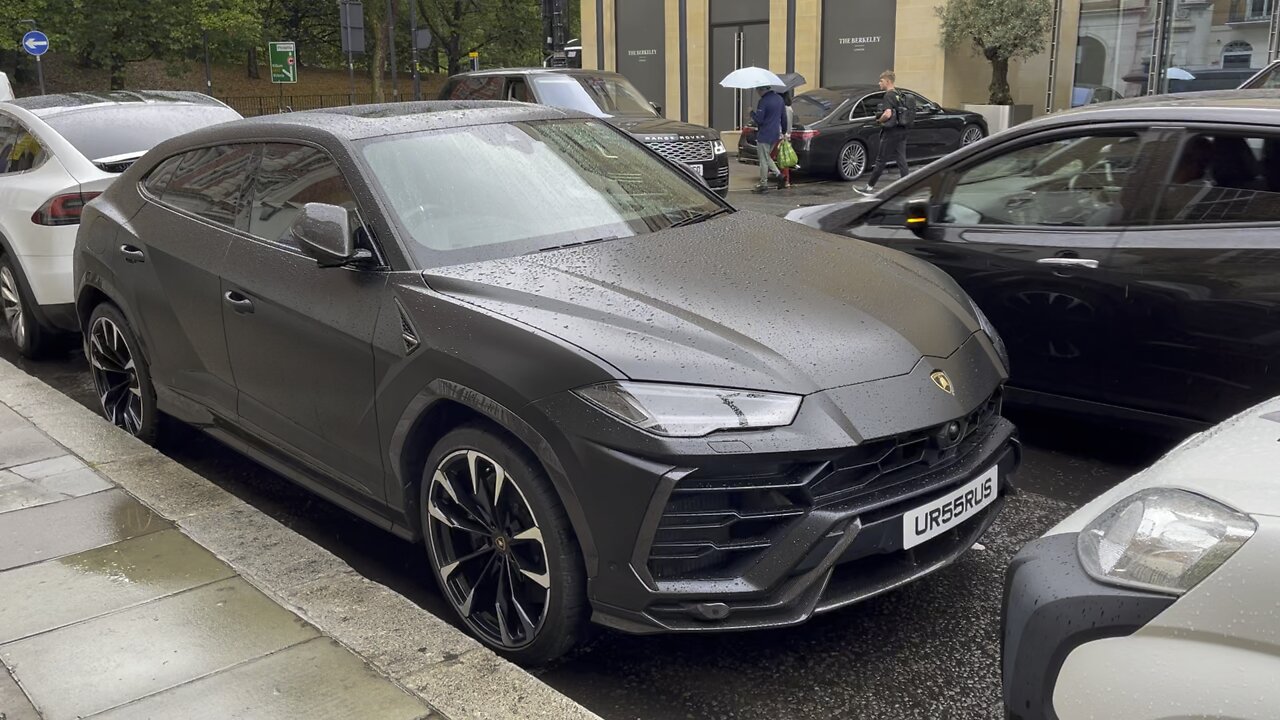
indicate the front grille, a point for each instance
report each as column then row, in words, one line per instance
column 685, row 151
column 714, row 527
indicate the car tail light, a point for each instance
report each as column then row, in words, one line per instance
column 63, row 209
column 803, row 135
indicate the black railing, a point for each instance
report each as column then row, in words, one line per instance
column 253, row 105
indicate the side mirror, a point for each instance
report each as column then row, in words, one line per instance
column 656, row 107
column 324, row 232
column 917, row 210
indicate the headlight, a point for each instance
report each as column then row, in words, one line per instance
column 990, row 330
column 1162, row 539
column 690, row 411
column 718, row 147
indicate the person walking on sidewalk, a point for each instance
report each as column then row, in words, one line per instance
column 768, row 119
column 894, row 119
column 788, row 122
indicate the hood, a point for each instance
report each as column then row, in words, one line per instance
column 1233, row 462
column 746, row 301
column 648, row 128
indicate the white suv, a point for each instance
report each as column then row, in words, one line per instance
column 57, row 152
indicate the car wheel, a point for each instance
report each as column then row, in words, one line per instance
column 121, row 375
column 971, row 135
column 501, row 546
column 32, row 338
column 852, row 162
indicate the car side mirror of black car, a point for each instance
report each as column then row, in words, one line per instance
column 917, row 211
column 656, row 107
column 323, row 232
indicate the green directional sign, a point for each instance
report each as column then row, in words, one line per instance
column 283, row 57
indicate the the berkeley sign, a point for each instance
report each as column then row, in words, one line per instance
column 857, row 40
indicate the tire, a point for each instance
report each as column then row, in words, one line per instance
column 121, row 375
column 970, row 135
column 852, row 162
column 34, row 341
column 458, row 522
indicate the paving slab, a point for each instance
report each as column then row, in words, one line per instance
column 16, row 496
column 317, row 680
column 86, row 585
column 90, row 437
column 153, row 647
column 52, row 466
column 10, row 420
column 75, row 483
column 41, row 533
column 14, row 704
column 481, row 685
column 25, row 444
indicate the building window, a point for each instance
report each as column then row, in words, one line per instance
column 1237, row 54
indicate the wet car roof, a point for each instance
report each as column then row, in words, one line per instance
column 1220, row 106
column 365, row 121
column 539, row 71
column 49, row 105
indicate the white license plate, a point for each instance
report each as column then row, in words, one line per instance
column 929, row 521
column 695, row 167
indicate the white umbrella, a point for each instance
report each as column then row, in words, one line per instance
column 1175, row 73
column 750, row 77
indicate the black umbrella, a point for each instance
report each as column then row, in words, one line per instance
column 790, row 81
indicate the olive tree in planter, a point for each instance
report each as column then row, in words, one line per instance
column 1001, row 30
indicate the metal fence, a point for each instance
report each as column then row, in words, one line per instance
column 250, row 106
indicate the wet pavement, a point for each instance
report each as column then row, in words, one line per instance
column 929, row 650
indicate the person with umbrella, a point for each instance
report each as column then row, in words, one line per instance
column 768, row 115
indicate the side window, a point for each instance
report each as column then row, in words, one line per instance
column 158, row 179
column 864, row 108
column 26, row 153
column 210, row 182
column 1223, row 178
column 1067, row 182
column 8, row 141
column 289, row 177
column 478, row 88
column 517, row 90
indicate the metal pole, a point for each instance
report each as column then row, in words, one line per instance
column 1273, row 35
column 1055, row 40
column 413, row 43
column 391, row 41
column 40, row 74
column 208, row 70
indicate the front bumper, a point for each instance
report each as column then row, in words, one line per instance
column 713, row 541
column 1052, row 606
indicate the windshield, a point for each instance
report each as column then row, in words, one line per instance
column 812, row 108
column 1268, row 79
column 133, row 129
column 600, row 96
column 494, row 191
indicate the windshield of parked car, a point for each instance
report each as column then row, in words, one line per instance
column 492, row 191
column 133, row 129
column 600, row 96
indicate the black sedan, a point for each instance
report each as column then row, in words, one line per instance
column 836, row 132
column 591, row 388
column 1128, row 254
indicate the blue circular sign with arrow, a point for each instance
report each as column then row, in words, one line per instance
column 35, row 43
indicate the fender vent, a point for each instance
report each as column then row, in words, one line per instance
column 407, row 332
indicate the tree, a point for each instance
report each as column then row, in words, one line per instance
column 1002, row 30
column 506, row 31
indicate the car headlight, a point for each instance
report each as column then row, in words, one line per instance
column 688, row 410
column 1162, row 539
column 990, row 330
column 718, row 147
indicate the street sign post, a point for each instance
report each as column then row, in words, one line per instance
column 475, row 60
column 283, row 59
column 351, row 17
column 36, row 43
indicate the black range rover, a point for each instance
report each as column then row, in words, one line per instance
column 610, row 97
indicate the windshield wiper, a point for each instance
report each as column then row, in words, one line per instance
column 700, row 217
column 573, row 244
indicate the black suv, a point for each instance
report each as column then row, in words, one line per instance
column 610, row 97
column 588, row 385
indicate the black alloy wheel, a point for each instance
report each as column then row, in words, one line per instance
column 500, row 546
column 971, row 135
column 121, row 376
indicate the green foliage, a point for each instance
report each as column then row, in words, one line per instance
column 1002, row 30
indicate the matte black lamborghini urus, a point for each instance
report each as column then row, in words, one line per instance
column 591, row 388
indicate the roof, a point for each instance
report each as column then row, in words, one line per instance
column 538, row 71
column 48, row 105
column 1258, row 106
column 365, row 121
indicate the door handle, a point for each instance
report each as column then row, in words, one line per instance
column 239, row 303
column 132, row 254
column 1069, row 262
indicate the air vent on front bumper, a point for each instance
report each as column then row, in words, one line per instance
column 714, row 527
column 408, row 334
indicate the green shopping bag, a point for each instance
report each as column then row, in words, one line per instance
column 787, row 157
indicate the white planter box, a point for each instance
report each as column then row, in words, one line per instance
column 1001, row 117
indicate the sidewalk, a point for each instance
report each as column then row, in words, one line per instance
column 132, row 588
